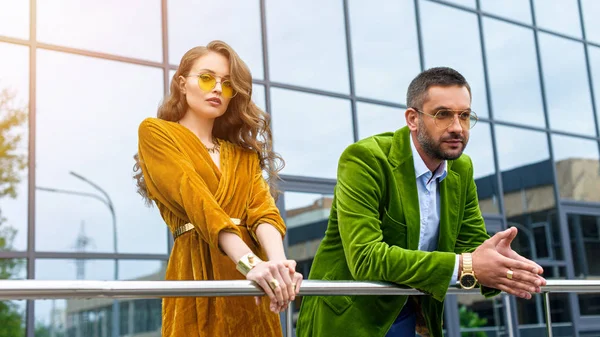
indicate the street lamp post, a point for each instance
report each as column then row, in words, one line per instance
column 108, row 202
column 115, row 306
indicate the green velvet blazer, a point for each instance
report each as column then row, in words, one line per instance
column 373, row 235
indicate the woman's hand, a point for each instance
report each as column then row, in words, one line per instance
column 279, row 280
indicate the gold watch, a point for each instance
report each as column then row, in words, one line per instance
column 247, row 262
column 467, row 277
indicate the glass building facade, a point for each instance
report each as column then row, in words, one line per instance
column 77, row 78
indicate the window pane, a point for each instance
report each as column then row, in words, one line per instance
column 531, row 319
column 567, row 86
column 577, row 168
column 12, row 313
column 307, row 215
column 374, row 119
column 481, row 152
column 590, row 8
column 559, row 16
column 258, row 96
column 14, row 18
column 14, row 96
column 131, row 28
column 513, row 73
column 12, row 317
column 466, row 3
column 73, row 317
column 307, row 44
column 594, row 54
column 528, row 184
column 585, row 243
column 141, row 316
column 522, row 172
column 326, row 130
column 455, row 45
column 95, row 136
column 518, row 10
column 384, row 61
column 194, row 23
column 480, row 316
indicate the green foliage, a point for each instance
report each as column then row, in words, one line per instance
column 470, row 319
column 13, row 160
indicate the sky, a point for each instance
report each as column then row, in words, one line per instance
column 88, row 109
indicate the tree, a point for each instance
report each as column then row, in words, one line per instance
column 470, row 319
column 12, row 161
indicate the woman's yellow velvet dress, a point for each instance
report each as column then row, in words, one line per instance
column 187, row 186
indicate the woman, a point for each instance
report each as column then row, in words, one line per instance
column 201, row 162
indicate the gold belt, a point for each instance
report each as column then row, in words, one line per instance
column 188, row 227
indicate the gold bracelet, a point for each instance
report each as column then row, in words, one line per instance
column 247, row 262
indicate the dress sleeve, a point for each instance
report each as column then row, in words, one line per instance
column 173, row 181
column 262, row 208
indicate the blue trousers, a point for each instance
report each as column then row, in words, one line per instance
column 406, row 322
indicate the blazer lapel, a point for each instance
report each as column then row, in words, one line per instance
column 400, row 157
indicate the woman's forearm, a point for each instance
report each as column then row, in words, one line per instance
column 233, row 245
column 271, row 241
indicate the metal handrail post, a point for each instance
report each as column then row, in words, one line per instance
column 547, row 312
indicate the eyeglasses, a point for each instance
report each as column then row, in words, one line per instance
column 207, row 82
column 443, row 118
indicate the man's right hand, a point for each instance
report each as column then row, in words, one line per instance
column 491, row 267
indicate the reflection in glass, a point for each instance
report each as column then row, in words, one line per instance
column 513, row 75
column 577, row 168
column 518, row 10
column 14, row 93
column 141, row 315
column 531, row 319
column 74, row 317
column 131, row 28
column 14, row 18
column 307, row 44
column 95, row 136
column 142, row 270
column 374, row 119
column 258, row 96
column 528, row 185
column 193, row 23
column 584, row 231
column 480, row 316
column 455, row 45
column 592, row 27
column 567, row 88
column 594, row 54
column 306, row 219
column 559, row 16
column 466, row 3
column 12, row 313
column 12, row 318
column 384, row 61
column 310, row 132
column 481, row 152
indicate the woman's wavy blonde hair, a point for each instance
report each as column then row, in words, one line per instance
column 243, row 123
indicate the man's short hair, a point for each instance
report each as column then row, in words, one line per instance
column 441, row 76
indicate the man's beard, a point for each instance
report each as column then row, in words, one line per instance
column 433, row 149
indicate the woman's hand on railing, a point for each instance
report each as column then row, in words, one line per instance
column 279, row 280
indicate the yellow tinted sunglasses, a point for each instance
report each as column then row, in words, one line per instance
column 208, row 81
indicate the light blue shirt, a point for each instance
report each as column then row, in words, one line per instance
column 429, row 204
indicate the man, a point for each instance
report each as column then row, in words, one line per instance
column 405, row 210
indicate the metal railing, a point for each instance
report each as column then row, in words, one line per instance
column 38, row 289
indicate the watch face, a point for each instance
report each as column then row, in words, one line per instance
column 468, row 281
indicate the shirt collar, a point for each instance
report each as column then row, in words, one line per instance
column 421, row 169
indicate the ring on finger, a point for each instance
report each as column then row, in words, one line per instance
column 274, row 284
column 509, row 274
